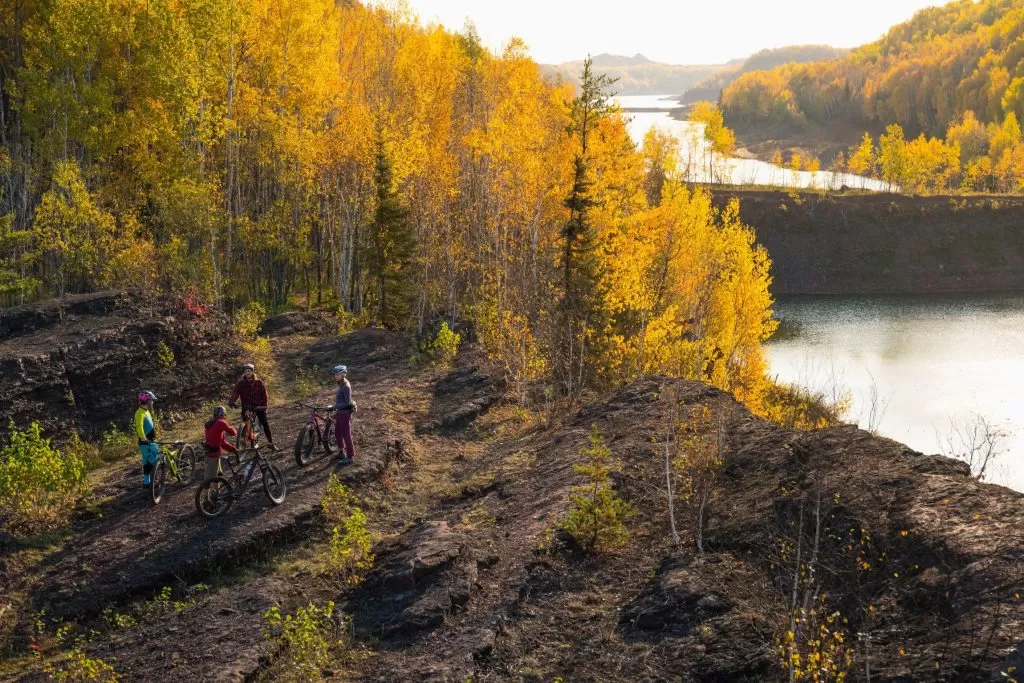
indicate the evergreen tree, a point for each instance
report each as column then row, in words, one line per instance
column 580, row 305
column 390, row 248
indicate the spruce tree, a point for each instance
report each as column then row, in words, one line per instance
column 390, row 249
column 581, row 296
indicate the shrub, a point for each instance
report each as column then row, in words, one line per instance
column 306, row 383
column 350, row 321
column 38, row 486
column 115, row 444
column 797, row 408
column 303, row 642
column 446, row 344
column 349, row 549
column 165, row 355
column 698, row 447
column 258, row 350
column 443, row 348
column 78, row 667
column 814, row 647
column 249, row 319
column 87, row 452
column 597, row 516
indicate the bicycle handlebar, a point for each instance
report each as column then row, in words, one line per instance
column 316, row 408
column 169, row 443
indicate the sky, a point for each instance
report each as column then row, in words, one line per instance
column 677, row 32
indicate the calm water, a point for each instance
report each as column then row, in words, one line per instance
column 693, row 152
column 934, row 360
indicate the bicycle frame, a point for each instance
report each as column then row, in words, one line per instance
column 168, row 451
column 318, row 421
column 249, row 430
column 238, row 477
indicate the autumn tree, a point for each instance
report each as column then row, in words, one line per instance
column 892, row 157
column 969, row 135
column 718, row 138
column 862, row 158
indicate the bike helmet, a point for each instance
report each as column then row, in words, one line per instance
column 338, row 369
column 219, row 412
column 146, row 395
column 249, row 366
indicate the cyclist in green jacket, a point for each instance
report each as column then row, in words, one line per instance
column 145, row 430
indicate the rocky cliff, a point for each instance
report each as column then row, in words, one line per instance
column 886, row 244
column 80, row 360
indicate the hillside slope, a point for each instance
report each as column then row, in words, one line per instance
column 711, row 87
column 472, row 579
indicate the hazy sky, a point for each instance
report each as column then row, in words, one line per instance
column 678, row 32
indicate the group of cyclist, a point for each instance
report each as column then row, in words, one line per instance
column 252, row 391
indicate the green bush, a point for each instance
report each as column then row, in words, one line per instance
column 249, row 319
column 349, row 548
column 165, row 355
column 306, row 383
column 115, row 444
column 446, row 343
column 597, row 517
column 78, row 667
column 38, row 485
column 442, row 349
column 302, row 641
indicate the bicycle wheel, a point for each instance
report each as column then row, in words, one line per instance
column 330, row 438
column 186, row 465
column 213, row 501
column 274, row 484
column 156, row 488
column 304, row 444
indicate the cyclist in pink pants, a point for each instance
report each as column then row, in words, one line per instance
column 345, row 406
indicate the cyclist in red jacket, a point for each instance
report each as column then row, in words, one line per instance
column 253, row 393
column 216, row 442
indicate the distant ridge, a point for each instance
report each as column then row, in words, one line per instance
column 710, row 88
column 637, row 75
column 605, row 59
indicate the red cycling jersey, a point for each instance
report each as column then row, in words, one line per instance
column 215, row 439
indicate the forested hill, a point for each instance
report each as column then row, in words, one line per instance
column 924, row 75
column 711, row 87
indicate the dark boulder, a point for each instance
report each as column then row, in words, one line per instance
column 423, row 576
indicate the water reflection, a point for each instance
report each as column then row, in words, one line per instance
column 699, row 166
column 934, row 359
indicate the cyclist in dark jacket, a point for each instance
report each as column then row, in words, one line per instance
column 253, row 393
column 345, row 406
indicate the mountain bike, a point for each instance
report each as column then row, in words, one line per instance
column 216, row 496
column 319, row 430
column 249, row 430
column 176, row 458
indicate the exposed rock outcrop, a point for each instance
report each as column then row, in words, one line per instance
column 79, row 361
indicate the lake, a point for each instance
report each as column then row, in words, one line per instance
column 935, row 361
column 646, row 111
